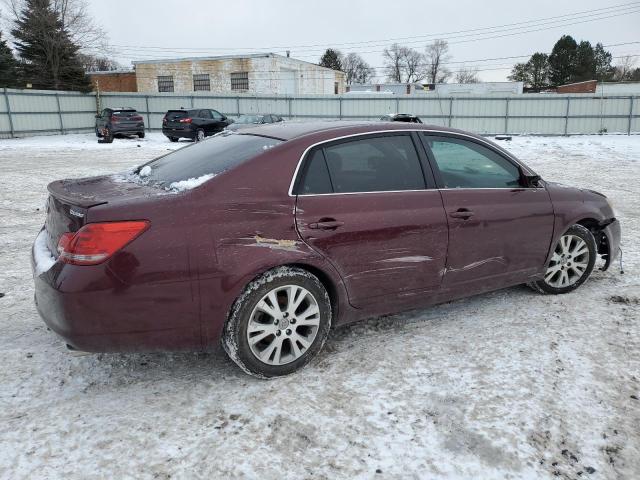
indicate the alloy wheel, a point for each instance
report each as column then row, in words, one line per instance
column 283, row 325
column 200, row 135
column 569, row 262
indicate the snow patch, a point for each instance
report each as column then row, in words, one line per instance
column 41, row 254
column 145, row 171
column 190, row 183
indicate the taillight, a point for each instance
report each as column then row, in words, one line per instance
column 136, row 118
column 185, row 120
column 96, row 242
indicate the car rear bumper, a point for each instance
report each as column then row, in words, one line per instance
column 91, row 310
column 127, row 129
column 186, row 132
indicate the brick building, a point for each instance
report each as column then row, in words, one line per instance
column 266, row 74
column 114, row 81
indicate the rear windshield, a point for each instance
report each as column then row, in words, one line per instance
column 176, row 114
column 210, row 157
column 125, row 113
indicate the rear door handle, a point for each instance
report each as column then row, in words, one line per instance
column 462, row 213
column 326, row 225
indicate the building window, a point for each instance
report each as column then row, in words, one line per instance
column 165, row 83
column 240, row 81
column 201, row 82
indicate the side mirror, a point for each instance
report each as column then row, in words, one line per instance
column 531, row 181
column 98, row 116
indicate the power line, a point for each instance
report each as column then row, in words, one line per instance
column 441, row 35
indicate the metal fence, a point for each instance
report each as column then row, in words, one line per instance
column 31, row 112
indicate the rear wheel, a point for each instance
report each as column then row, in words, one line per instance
column 141, row 134
column 279, row 323
column 199, row 135
column 571, row 263
column 98, row 134
column 173, row 139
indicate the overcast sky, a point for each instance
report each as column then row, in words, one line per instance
column 146, row 29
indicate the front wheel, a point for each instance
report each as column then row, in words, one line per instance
column 571, row 263
column 279, row 323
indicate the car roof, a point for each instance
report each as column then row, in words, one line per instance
column 292, row 130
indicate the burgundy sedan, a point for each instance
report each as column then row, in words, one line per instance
column 266, row 238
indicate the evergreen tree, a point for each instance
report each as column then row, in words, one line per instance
column 331, row 59
column 534, row 73
column 49, row 57
column 604, row 69
column 562, row 61
column 585, row 63
column 8, row 66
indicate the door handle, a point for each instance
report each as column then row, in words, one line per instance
column 326, row 225
column 462, row 213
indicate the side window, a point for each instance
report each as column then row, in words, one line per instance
column 268, row 119
column 105, row 113
column 375, row 164
column 216, row 115
column 205, row 114
column 316, row 176
column 465, row 164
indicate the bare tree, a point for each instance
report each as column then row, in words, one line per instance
column 467, row 75
column 393, row 58
column 76, row 20
column 622, row 71
column 436, row 56
column 94, row 63
column 356, row 69
column 413, row 65
column 403, row 64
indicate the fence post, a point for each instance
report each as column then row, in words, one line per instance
column 6, row 99
column 397, row 104
column 630, row 112
column 60, row 114
column 191, row 101
column 289, row 102
column 238, row 105
column 566, row 117
column 146, row 102
column 450, row 110
column 506, row 117
column 340, row 107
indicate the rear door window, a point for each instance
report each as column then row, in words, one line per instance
column 205, row 114
column 216, row 115
column 374, row 164
column 216, row 155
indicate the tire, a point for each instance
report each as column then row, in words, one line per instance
column 200, row 136
column 173, row 139
column 141, row 135
column 287, row 343
column 98, row 134
column 572, row 262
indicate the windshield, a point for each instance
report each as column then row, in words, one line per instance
column 249, row 119
column 208, row 158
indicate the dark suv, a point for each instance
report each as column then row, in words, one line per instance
column 114, row 122
column 195, row 123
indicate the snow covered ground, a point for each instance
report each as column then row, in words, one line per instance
column 507, row 385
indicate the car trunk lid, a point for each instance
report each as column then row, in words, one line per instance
column 70, row 200
column 177, row 119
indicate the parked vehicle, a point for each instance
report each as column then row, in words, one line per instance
column 400, row 117
column 114, row 122
column 195, row 123
column 245, row 121
column 266, row 238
